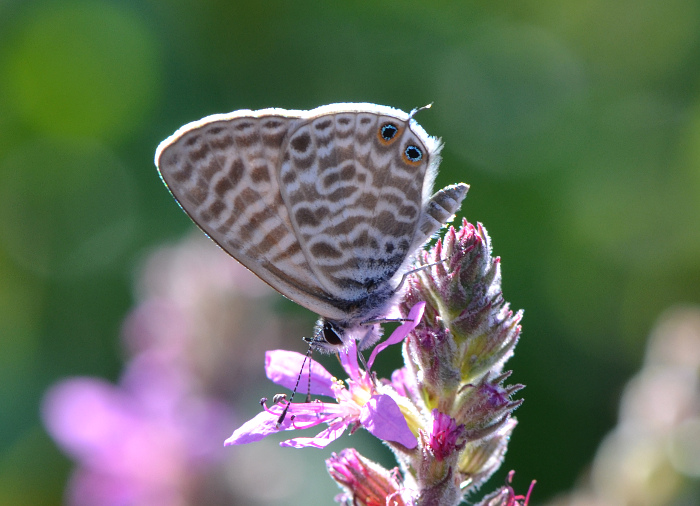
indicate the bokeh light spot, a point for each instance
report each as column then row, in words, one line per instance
column 81, row 69
column 67, row 209
column 508, row 98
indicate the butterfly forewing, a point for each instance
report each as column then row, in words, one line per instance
column 224, row 174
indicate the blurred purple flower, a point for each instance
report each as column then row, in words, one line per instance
column 142, row 442
column 152, row 438
column 361, row 404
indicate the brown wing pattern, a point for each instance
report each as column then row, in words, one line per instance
column 223, row 172
column 324, row 205
column 355, row 201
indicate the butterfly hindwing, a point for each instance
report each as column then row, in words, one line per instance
column 354, row 200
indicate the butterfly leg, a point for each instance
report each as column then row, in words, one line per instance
column 413, row 271
column 296, row 386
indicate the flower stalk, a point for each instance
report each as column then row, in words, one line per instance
column 446, row 414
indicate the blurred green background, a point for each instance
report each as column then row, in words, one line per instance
column 576, row 122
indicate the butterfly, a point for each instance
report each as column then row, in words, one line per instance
column 327, row 206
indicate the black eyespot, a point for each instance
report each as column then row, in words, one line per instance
column 413, row 153
column 388, row 131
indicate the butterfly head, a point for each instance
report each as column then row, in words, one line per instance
column 331, row 336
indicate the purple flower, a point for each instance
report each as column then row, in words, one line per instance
column 505, row 496
column 446, row 436
column 142, row 442
column 361, row 402
column 446, row 414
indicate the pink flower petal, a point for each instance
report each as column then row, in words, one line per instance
column 85, row 414
column 398, row 381
column 282, row 367
column 348, row 359
column 301, row 415
column 415, row 314
column 259, row 427
column 322, row 439
column 382, row 417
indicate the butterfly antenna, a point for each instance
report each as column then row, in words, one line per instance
column 417, row 110
column 363, row 362
column 296, row 386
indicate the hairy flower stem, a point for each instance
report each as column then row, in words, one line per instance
column 451, row 389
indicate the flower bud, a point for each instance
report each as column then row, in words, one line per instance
column 365, row 483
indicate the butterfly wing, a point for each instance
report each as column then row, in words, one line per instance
column 223, row 172
column 355, row 200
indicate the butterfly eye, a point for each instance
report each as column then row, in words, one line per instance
column 413, row 154
column 387, row 132
column 332, row 333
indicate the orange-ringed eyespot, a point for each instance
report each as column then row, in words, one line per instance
column 413, row 153
column 388, row 131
